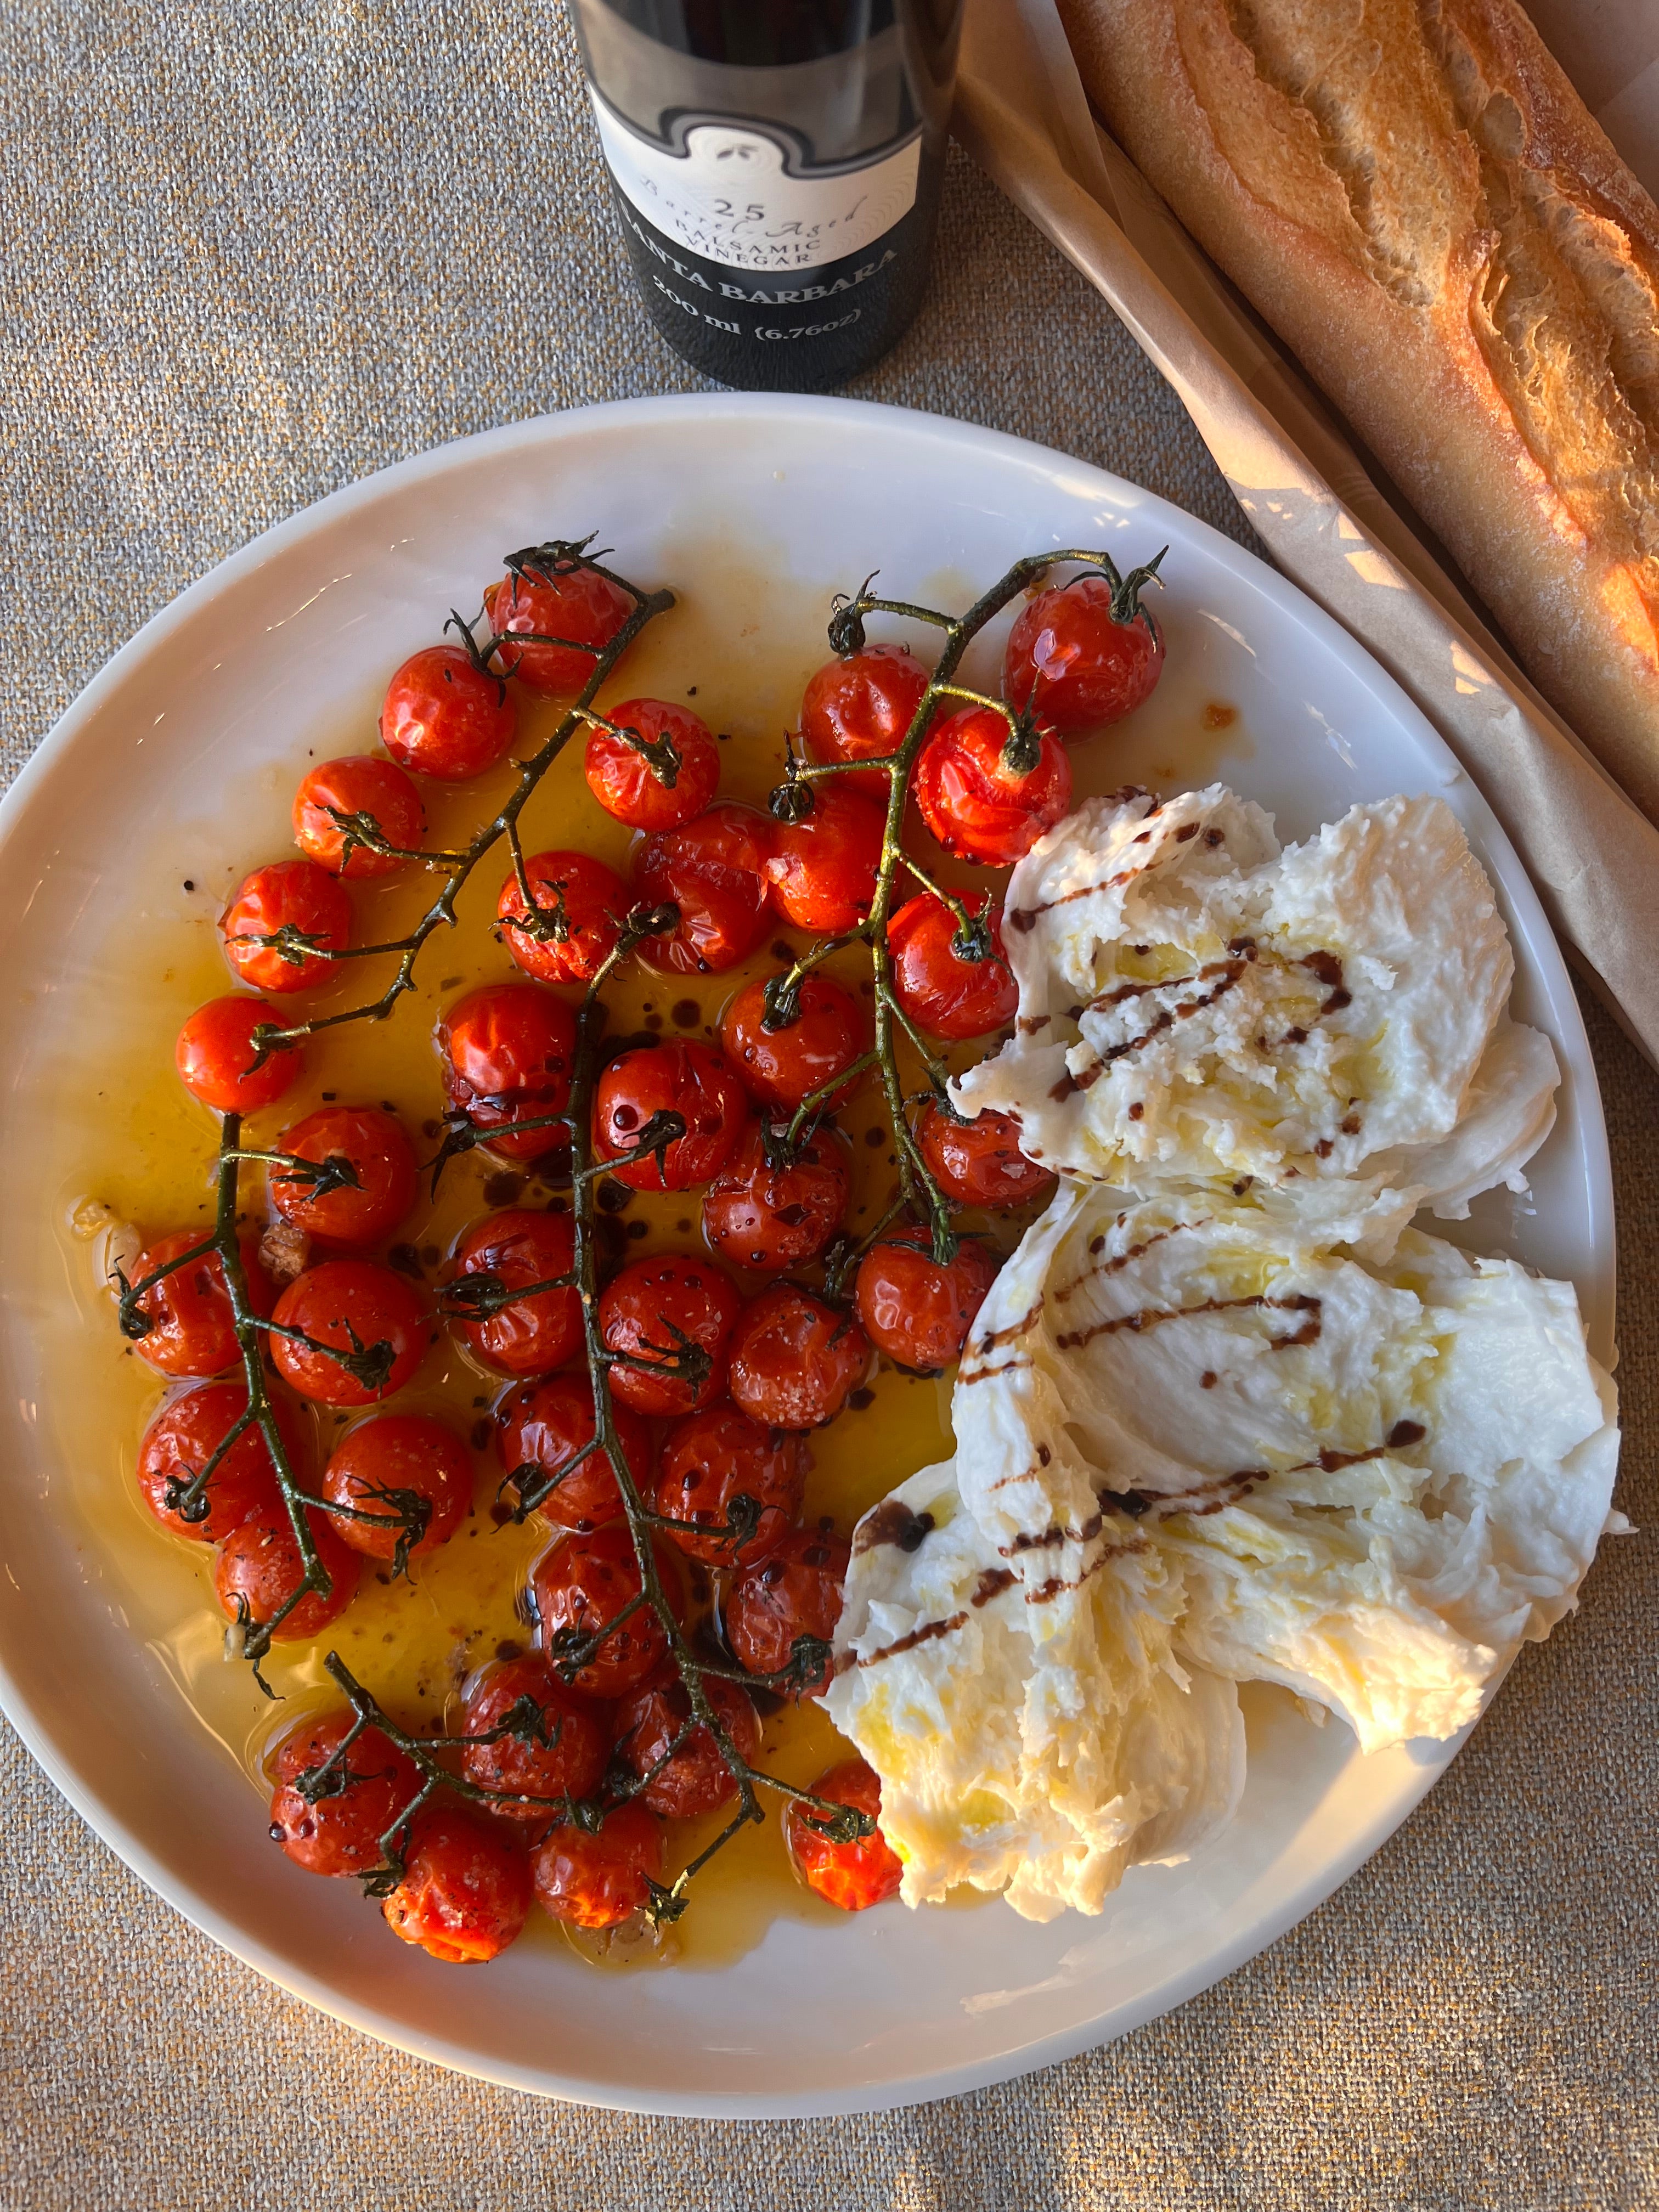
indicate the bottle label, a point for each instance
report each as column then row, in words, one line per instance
column 740, row 195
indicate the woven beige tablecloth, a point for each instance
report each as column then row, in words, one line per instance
column 251, row 253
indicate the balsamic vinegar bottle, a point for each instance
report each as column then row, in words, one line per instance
column 777, row 166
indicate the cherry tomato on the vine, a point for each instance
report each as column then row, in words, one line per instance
column 823, row 868
column 540, row 1429
column 936, row 988
column 656, row 1310
column 978, row 1163
column 713, row 1456
column 598, row 1881
column 713, row 869
column 219, row 1062
column 793, row 1361
column 796, row 1590
column 696, row 1779
column 286, row 894
column 373, row 1144
column 861, row 707
column 192, row 1330
column 446, row 717
column 361, row 783
column 1081, row 656
column 579, row 1587
column 785, row 1066
column 519, row 1247
column 916, row 1311
column 259, row 1569
column 629, row 780
column 981, row 805
column 507, row 1052
column 557, row 598
column 392, row 1452
column 852, row 1875
column 692, row 1080
column 340, row 1831
column 771, row 1218
column 467, row 1887
column 569, row 1760
column 354, row 1306
column 588, row 899
column 180, row 1443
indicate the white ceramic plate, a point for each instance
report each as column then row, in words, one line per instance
column 201, row 718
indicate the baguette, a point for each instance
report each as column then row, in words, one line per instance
column 1414, row 197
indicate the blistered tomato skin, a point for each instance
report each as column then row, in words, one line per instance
column 713, row 1456
column 823, row 868
column 713, row 869
column 854, row 1876
column 569, row 1762
column 620, row 774
column 445, row 718
column 696, row 1779
column 783, row 1067
column 980, row 1162
column 916, row 1311
column 181, row 1441
column 352, row 1305
column 579, row 1587
column 393, row 1452
column 979, row 806
column 600, row 1882
column 570, row 604
column 506, row 1054
column 466, row 1889
column 794, row 1361
column 770, row 1218
column 219, row 1062
column 259, row 1568
column 1071, row 658
column 540, row 1430
column 940, row 991
column 794, row 1591
column 580, row 894
column 361, row 783
column 650, row 1313
column 341, row 1831
column 861, row 707
column 292, row 895
column 517, row 1247
column 692, row 1080
column 374, row 1146
column 192, row 1330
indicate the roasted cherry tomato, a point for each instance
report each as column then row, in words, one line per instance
column 691, row 1080
column 507, row 1052
column 360, row 784
column 582, row 897
column 715, row 871
column 564, row 1755
column 917, row 1312
column 579, row 1587
column 794, row 1591
column 340, row 1832
column 467, row 1887
column 656, row 1310
column 259, row 1569
column 516, row 1248
column 444, row 717
column 180, row 1443
column 823, row 868
column 540, row 1429
column 666, row 770
column 710, row 1458
column 395, row 1452
column 978, row 1163
column 771, row 1218
column 861, row 707
column 192, row 1329
column 295, row 896
column 355, row 1306
column 1083, row 655
column 851, row 1876
column 560, row 599
column 785, row 1066
column 696, row 1779
column 793, row 1361
column 936, row 988
column 981, row 805
column 598, row 1881
column 219, row 1063
column 373, row 1145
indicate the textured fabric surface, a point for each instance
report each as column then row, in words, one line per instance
column 253, row 253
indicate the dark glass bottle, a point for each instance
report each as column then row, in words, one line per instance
column 777, row 166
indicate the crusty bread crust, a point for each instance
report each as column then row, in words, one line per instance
column 1413, row 194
